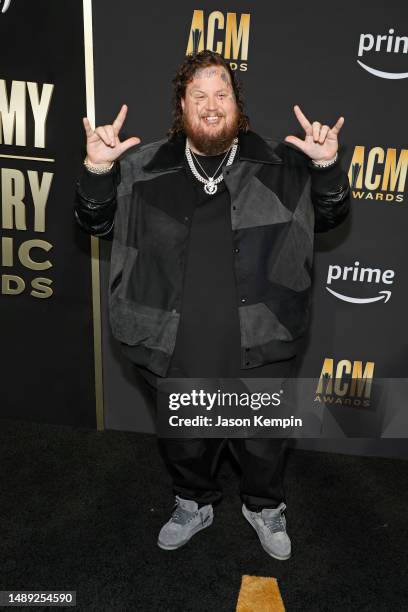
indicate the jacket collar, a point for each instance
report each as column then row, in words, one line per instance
column 170, row 155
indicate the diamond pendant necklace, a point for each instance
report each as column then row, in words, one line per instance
column 210, row 183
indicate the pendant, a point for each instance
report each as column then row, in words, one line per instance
column 210, row 188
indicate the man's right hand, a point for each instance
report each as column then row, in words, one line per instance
column 103, row 145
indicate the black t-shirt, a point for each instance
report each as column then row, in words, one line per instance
column 208, row 338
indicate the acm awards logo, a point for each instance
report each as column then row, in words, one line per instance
column 4, row 5
column 379, row 45
column 347, row 383
column 371, row 279
column 378, row 174
column 227, row 34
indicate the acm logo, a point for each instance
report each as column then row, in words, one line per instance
column 4, row 5
column 223, row 34
column 378, row 174
column 346, row 382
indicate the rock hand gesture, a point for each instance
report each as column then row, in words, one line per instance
column 103, row 145
column 320, row 142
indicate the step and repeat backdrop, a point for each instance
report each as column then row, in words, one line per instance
column 331, row 60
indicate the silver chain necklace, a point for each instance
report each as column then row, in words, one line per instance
column 210, row 183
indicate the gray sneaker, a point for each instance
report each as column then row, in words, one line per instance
column 184, row 522
column 270, row 525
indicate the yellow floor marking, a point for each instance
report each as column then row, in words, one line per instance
column 259, row 594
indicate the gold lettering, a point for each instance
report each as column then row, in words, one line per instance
column 40, row 197
column 7, row 251
column 395, row 172
column 6, row 279
column 42, row 286
column 370, row 181
column 215, row 16
column 40, row 107
column 362, row 381
column 197, row 26
column 13, row 114
column 12, row 198
column 13, row 128
column 24, row 254
column 326, row 375
column 237, row 38
column 343, row 367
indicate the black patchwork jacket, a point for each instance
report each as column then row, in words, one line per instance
column 145, row 206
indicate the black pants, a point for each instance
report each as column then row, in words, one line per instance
column 192, row 462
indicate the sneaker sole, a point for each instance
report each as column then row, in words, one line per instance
column 194, row 531
column 279, row 558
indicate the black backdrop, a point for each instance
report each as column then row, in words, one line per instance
column 298, row 53
column 47, row 360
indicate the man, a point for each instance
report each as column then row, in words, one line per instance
column 211, row 262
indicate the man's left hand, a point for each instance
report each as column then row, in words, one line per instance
column 320, row 142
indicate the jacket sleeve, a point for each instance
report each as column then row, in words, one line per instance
column 95, row 201
column 330, row 193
